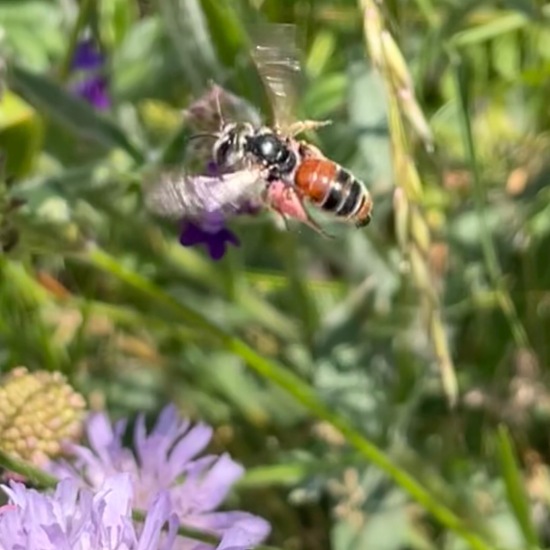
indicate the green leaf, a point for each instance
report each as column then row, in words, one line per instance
column 116, row 20
column 186, row 26
column 495, row 27
column 515, row 488
column 72, row 112
column 21, row 134
column 33, row 44
column 144, row 65
column 232, row 44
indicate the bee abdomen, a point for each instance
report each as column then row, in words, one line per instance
column 335, row 190
column 314, row 178
column 357, row 203
column 350, row 193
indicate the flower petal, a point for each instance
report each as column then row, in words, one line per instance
column 216, row 243
column 245, row 534
column 157, row 516
column 193, row 234
column 188, row 447
column 87, row 56
column 218, row 481
column 94, row 90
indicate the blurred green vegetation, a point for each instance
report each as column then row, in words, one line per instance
column 335, row 330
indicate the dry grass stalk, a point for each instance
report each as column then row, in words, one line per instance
column 412, row 227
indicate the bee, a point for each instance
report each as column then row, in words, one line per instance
column 262, row 165
column 314, row 177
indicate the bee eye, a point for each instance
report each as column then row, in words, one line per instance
column 222, row 151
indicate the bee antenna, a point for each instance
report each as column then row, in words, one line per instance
column 219, row 107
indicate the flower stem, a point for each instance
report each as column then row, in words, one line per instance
column 84, row 12
column 31, row 473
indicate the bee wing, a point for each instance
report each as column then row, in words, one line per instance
column 182, row 196
column 206, row 112
column 276, row 57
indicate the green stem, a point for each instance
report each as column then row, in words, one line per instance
column 34, row 475
column 84, row 12
column 294, row 386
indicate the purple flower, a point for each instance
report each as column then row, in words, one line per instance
column 215, row 241
column 87, row 56
column 77, row 518
column 165, row 460
column 92, row 85
column 94, row 91
column 212, row 231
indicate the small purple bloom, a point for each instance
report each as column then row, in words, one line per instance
column 94, row 91
column 90, row 83
column 77, row 518
column 87, row 56
column 166, row 460
column 215, row 241
column 211, row 230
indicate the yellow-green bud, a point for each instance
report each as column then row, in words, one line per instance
column 38, row 412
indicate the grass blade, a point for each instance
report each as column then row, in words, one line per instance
column 515, row 488
column 70, row 111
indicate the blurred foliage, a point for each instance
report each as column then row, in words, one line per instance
column 99, row 290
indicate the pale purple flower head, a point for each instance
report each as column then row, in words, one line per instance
column 166, row 459
column 77, row 518
column 88, row 65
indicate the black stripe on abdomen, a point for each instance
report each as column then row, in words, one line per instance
column 334, row 197
column 353, row 194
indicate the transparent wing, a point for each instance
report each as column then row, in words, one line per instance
column 181, row 196
column 208, row 112
column 276, row 56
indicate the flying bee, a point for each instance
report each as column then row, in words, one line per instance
column 235, row 184
column 314, row 177
column 259, row 165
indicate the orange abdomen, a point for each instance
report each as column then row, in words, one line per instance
column 314, row 178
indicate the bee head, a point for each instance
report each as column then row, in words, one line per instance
column 230, row 147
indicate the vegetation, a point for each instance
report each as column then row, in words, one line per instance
column 386, row 389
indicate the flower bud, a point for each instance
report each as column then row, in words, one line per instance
column 38, row 411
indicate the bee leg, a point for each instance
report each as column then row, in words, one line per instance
column 290, row 190
column 306, row 125
column 316, row 227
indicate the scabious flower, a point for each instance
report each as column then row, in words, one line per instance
column 166, row 460
column 88, row 64
column 77, row 518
